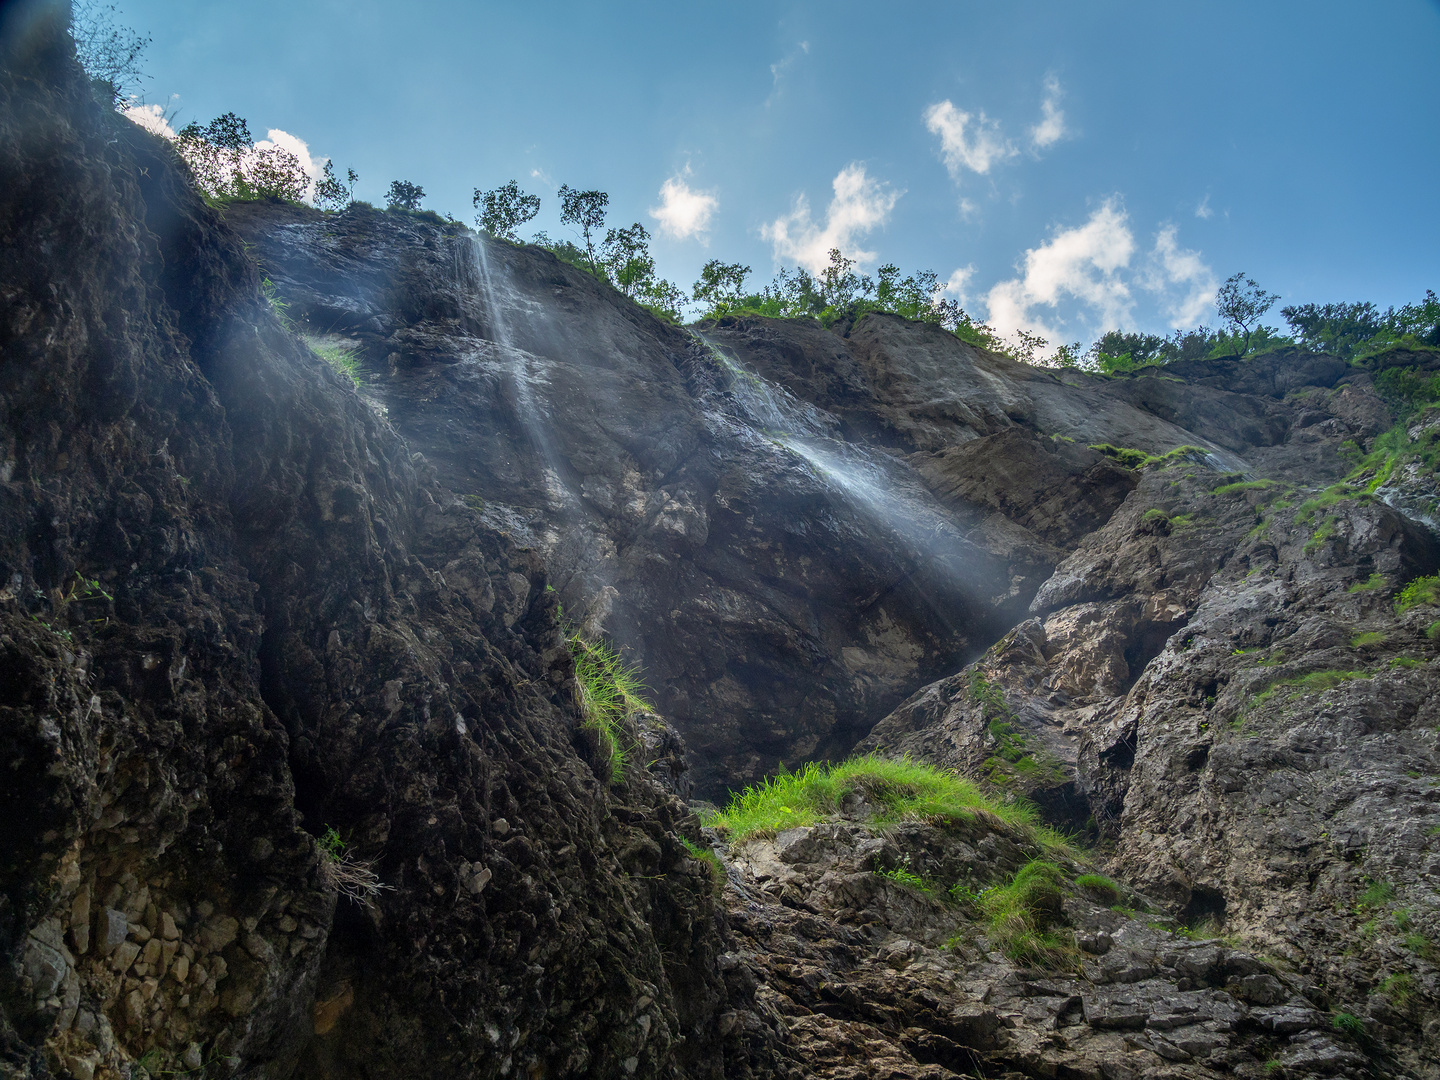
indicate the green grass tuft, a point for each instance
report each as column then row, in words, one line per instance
column 1335, row 493
column 1242, row 485
column 1377, row 894
column 1372, row 637
column 345, row 359
column 1313, row 683
column 1422, row 946
column 1099, row 887
column 711, row 861
column 905, row 877
column 1406, row 662
column 610, row 690
column 1374, row 581
column 1400, row 989
column 895, row 790
column 1351, row 1025
column 1024, row 917
column 1123, row 455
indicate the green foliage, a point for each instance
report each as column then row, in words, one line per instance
column 585, row 210
column 711, row 861
column 720, row 288
column 1338, row 329
column 1313, row 683
column 1370, row 584
column 1240, row 303
column 330, row 193
column 839, row 292
column 1361, row 641
column 109, row 53
column 1377, row 894
column 1350, row 1024
column 331, row 843
column 1024, row 917
column 1423, row 590
column 1406, row 662
column 1243, row 485
column 1331, row 496
column 1400, row 989
column 1422, row 946
column 894, row 790
column 403, row 195
column 1356, row 331
column 610, row 690
column 505, row 209
column 345, row 359
column 1131, row 459
column 1100, row 887
column 1154, row 516
column 1408, row 390
column 227, row 166
column 905, row 877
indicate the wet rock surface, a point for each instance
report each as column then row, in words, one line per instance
column 790, row 528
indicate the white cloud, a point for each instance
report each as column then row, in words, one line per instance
column 152, row 118
column 1051, row 128
column 1082, row 263
column 959, row 283
column 1172, row 266
column 314, row 167
column 683, row 211
column 976, row 149
column 779, row 69
column 860, row 205
column 1203, row 210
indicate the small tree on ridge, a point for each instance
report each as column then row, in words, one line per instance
column 1240, row 303
column 505, row 209
column 585, row 209
column 404, row 195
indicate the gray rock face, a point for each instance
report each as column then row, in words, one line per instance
column 1219, row 682
column 789, row 528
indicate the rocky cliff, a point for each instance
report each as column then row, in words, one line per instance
column 238, row 613
column 297, row 778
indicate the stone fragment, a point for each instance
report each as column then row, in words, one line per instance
column 81, row 1067
column 218, row 932
column 168, row 930
column 134, row 1008
column 115, row 927
column 151, row 952
column 191, row 1059
column 80, row 921
column 45, row 966
column 124, row 955
column 180, row 969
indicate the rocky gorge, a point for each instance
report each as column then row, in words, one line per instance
column 297, row 775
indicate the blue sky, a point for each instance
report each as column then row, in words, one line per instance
column 1070, row 166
